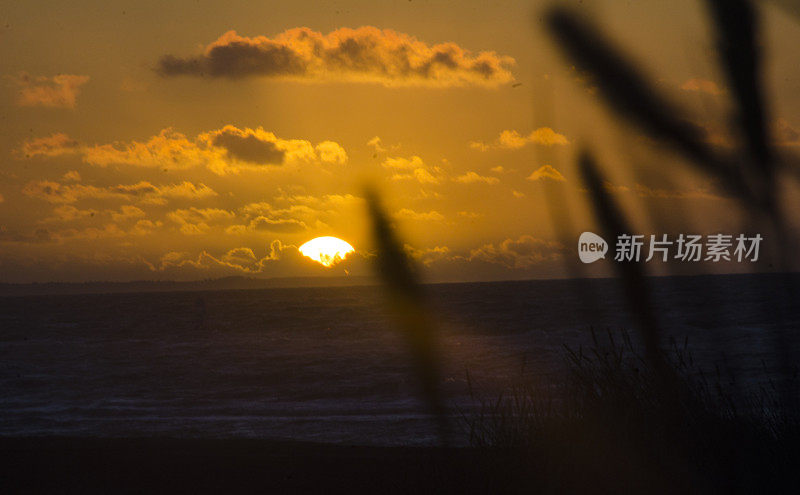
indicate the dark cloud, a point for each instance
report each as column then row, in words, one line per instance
column 287, row 225
column 249, row 148
column 37, row 237
column 366, row 54
column 236, row 60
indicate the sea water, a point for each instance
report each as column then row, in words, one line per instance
column 330, row 364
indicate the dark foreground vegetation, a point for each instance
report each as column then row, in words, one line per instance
column 637, row 419
column 611, row 430
column 617, row 427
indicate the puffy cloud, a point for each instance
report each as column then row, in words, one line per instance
column 55, row 192
column 298, row 212
column 376, row 144
column 511, row 140
column 184, row 190
column 546, row 172
column 285, row 225
column 522, row 252
column 53, row 145
column 365, row 54
column 295, row 213
column 127, row 212
column 472, row 178
column 263, row 217
column 701, row 85
column 400, row 163
column 196, row 220
column 331, row 152
column 427, row 256
column 241, row 259
column 241, row 256
column 168, row 149
column 59, row 91
column 420, row 175
column 256, row 209
column 409, row 214
column 225, row 150
column 204, row 214
column 324, row 202
column 413, row 169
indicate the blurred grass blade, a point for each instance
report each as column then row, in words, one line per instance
column 613, row 223
column 735, row 22
column 629, row 94
column 407, row 303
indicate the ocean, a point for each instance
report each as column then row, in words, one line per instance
column 328, row 364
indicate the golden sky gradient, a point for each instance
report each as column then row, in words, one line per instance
column 194, row 139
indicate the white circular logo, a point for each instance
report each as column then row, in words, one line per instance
column 591, row 247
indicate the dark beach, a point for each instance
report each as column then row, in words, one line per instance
column 162, row 465
column 93, row 403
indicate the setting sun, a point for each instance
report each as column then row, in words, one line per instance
column 326, row 250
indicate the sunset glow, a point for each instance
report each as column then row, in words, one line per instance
column 416, row 246
column 215, row 145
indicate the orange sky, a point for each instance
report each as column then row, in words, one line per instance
column 185, row 140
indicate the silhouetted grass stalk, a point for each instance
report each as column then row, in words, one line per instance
column 606, row 420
